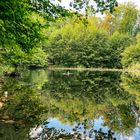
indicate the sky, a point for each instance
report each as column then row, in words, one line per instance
column 137, row 2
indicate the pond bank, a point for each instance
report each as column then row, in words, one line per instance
column 95, row 69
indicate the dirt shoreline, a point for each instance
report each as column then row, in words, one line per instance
column 95, row 69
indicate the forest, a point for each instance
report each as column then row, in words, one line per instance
column 41, row 34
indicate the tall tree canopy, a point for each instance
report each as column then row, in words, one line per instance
column 21, row 27
column 19, row 24
column 124, row 19
column 20, row 21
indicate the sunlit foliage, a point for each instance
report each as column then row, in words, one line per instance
column 74, row 44
column 131, row 55
column 124, row 19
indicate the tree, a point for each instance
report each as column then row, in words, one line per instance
column 37, row 58
column 75, row 44
column 22, row 24
column 71, row 43
column 107, row 23
column 124, row 19
column 131, row 55
column 118, row 43
column 19, row 25
column 50, row 11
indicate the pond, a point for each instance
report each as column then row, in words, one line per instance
column 70, row 105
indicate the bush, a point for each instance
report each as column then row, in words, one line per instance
column 131, row 56
column 118, row 42
column 13, row 56
column 37, row 58
column 16, row 57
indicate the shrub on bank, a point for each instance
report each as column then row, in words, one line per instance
column 131, row 55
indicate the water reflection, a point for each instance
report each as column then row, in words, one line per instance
column 131, row 84
column 78, row 132
column 78, row 99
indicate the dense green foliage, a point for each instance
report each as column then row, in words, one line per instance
column 22, row 24
column 20, row 31
column 131, row 55
column 118, row 43
column 77, row 45
column 124, row 20
column 94, row 43
column 39, row 34
column 71, row 45
column 126, row 17
column 19, row 25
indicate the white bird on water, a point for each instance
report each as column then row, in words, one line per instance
column 67, row 73
column 6, row 94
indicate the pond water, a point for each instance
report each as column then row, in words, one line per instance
column 70, row 105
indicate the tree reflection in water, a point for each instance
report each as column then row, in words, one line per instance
column 79, row 132
column 74, row 97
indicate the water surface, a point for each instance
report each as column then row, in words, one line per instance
column 47, row 104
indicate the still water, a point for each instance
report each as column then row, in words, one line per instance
column 70, row 105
